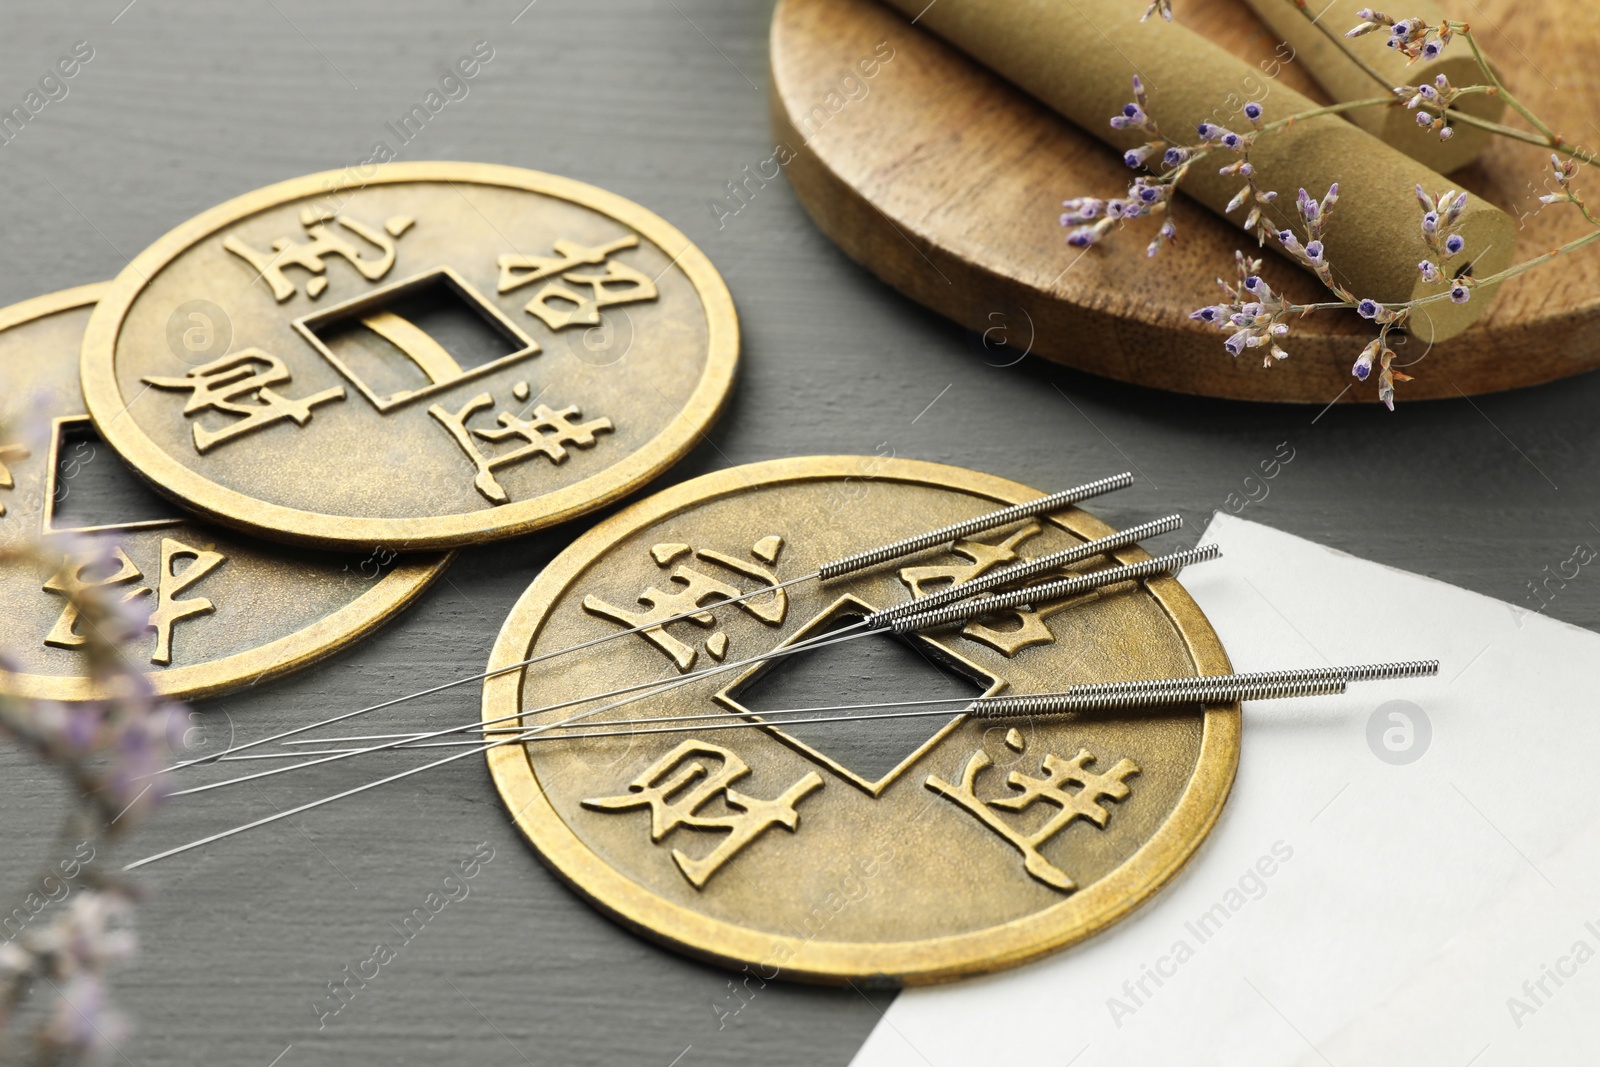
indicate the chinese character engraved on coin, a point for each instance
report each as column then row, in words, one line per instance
column 1052, row 789
column 620, row 284
column 9, row 452
column 677, row 799
column 1015, row 629
column 699, row 589
column 308, row 255
column 547, row 434
column 241, row 384
column 71, row 579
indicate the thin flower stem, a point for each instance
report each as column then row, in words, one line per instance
column 1330, row 109
column 1493, row 279
column 1515, row 134
column 1523, row 267
column 1551, row 139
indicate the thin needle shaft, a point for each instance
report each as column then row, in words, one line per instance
column 847, row 633
column 1262, row 685
column 1041, row 505
column 864, row 628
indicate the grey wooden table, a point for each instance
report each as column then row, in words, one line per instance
column 186, row 103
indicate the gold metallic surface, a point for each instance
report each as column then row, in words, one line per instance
column 225, row 611
column 949, row 848
column 593, row 345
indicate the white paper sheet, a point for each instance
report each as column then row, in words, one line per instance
column 1441, row 911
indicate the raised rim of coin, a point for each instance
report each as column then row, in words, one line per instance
column 918, row 962
column 277, row 522
column 410, row 578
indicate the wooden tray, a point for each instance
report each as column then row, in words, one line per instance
column 946, row 182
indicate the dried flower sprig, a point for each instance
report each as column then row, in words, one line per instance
column 112, row 752
column 1254, row 315
column 1563, row 170
column 1315, row 213
column 1440, row 217
column 1416, row 38
column 1240, row 144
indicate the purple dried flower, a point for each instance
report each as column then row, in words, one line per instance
column 1446, row 133
column 1460, row 294
column 1433, row 48
column 1363, row 363
column 1454, row 244
column 1253, row 111
column 1314, row 252
column 1174, row 156
column 1430, row 223
column 1081, row 209
column 1368, row 308
column 1135, row 157
column 1238, row 342
column 1209, row 315
column 1424, row 119
column 1430, row 273
column 1167, row 232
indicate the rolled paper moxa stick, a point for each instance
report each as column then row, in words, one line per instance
column 1344, row 79
column 1080, row 58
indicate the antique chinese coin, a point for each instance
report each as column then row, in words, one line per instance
column 419, row 355
column 223, row 610
column 917, row 849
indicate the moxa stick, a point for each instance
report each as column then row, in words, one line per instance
column 1080, row 58
column 1344, row 79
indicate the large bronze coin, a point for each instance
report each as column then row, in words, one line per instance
column 915, row 850
column 429, row 355
column 224, row 611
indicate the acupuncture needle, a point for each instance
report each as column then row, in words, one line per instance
column 884, row 618
column 849, row 564
column 1102, row 696
column 1063, row 557
column 1170, row 563
column 986, row 707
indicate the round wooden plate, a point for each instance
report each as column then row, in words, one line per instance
column 946, row 182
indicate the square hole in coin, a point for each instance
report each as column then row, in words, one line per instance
column 879, row 668
column 93, row 488
column 415, row 337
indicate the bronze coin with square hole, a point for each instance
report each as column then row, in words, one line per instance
column 423, row 356
column 224, row 611
column 785, row 836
